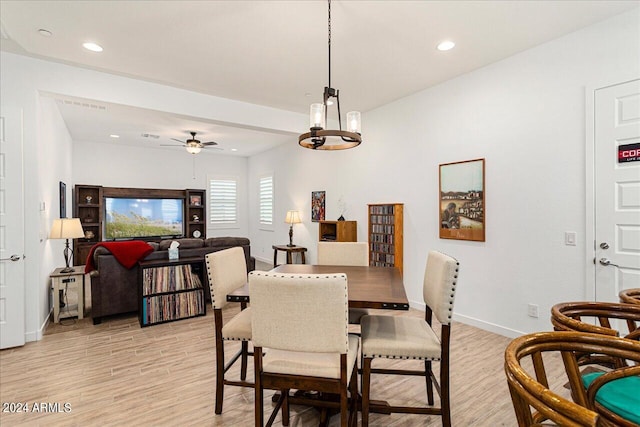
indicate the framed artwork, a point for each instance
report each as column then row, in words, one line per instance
column 317, row 205
column 195, row 200
column 63, row 200
column 462, row 207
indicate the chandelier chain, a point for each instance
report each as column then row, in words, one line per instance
column 329, row 41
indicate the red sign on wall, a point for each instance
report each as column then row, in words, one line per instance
column 629, row 153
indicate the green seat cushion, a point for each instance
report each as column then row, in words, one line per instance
column 621, row 396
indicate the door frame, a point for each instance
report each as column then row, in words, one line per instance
column 590, row 187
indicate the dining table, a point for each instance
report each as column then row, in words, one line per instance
column 367, row 286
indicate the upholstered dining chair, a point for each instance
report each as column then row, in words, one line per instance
column 599, row 398
column 227, row 271
column 605, row 318
column 630, row 296
column 301, row 319
column 346, row 253
column 399, row 337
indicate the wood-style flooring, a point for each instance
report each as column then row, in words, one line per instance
column 119, row 374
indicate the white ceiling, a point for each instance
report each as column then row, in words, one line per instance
column 274, row 53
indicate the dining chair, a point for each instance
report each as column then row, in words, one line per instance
column 605, row 318
column 399, row 337
column 599, row 398
column 301, row 321
column 227, row 271
column 630, row 296
column 348, row 254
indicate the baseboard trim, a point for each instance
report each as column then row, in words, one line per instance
column 39, row 333
column 472, row 321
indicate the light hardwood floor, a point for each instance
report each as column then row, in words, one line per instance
column 117, row 374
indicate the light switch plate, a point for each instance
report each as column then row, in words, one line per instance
column 570, row 238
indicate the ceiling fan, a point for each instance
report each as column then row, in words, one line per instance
column 193, row 145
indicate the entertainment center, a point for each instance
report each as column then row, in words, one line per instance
column 115, row 213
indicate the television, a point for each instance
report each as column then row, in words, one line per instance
column 127, row 218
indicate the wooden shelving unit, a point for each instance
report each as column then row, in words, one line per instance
column 88, row 204
column 196, row 214
column 386, row 235
column 169, row 291
column 338, row 231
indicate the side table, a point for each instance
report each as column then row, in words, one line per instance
column 60, row 281
column 289, row 250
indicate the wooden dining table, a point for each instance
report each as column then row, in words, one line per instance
column 368, row 287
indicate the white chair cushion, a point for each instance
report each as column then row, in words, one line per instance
column 227, row 270
column 439, row 289
column 343, row 253
column 326, row 365
column 397, row 337
column 238, row 328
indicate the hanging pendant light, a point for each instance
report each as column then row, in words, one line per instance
column 319, row 138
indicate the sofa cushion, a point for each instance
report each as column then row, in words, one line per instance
column 226, row 241
column 184, row 244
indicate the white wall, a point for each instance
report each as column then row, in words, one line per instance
column 526, row 116
column 112, row 165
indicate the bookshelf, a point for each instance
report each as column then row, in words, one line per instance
column 88, row 202
column 338, row 231
column 386, row 235
column 196, row 221
column 169, row 291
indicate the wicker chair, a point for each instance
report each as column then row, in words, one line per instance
column 630, row 296
column 534, row 402
column 301, row 319
column 227, row 271
column 579, row 317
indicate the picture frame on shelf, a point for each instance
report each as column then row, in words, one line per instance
column 63, row 199
column 195, row 200
column 461, row 200
column 318, row 205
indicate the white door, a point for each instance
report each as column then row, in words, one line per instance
column 617, row 189
column 12, row 318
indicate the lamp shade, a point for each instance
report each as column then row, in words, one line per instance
column 293, row 217
column 66, row 228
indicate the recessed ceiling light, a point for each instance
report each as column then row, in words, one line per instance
column 446, row 45
column 234, row 149
column 45, row 33
column 114, row 136
column 93, row 47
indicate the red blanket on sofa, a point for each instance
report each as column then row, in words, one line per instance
column 127, row 253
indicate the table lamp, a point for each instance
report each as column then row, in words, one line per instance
column 293, row 217
column 66, row 228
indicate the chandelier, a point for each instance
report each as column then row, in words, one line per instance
column 319, row 138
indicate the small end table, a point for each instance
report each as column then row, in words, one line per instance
column 59, row 281
column 289, row 250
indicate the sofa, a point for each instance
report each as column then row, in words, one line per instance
column 114, row 288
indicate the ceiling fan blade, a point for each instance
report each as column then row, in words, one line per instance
column 174, row 139
column 209, row 143
column 171, row 145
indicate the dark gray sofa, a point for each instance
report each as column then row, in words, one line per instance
column 114, row 288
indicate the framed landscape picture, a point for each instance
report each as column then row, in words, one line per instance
column 462, row 207
column 317, row 205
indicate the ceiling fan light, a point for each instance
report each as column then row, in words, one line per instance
column 193, row 149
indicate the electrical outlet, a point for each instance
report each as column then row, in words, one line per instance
column 532, row 310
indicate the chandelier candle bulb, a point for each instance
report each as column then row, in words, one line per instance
column 353, row 121
column 317, row 116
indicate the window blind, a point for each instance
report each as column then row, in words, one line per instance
column 223, row 201
column 266, row 200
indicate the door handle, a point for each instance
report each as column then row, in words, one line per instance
column 605, row 262
column 13, row 257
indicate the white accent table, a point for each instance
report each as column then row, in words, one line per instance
column 60, row 281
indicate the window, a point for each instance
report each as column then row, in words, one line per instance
column 266, row 201
column 223, row 202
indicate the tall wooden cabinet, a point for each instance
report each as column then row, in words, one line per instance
column 88, row 203
column 386, row 235
column 338, row 231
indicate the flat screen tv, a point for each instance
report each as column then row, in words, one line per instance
column 127, row 218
